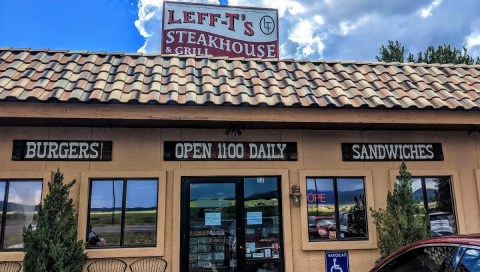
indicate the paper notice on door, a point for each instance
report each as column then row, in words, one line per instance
column 213, row 219
column 252, row 247
column 254, row 218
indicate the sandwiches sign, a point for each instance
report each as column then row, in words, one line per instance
column 392, row 152
column 198, row 29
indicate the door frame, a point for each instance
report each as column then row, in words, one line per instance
column 238, row 183
column 285, row 205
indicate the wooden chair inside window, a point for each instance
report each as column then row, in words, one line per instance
column 149, row 264
column 107, row 265
column 10, row 266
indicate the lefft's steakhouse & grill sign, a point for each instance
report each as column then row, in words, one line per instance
column 194, row 29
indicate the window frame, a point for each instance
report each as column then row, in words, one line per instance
column 462, row 250
column 130, row 251
column 425, row 200
column 45, row 176
column 454, row 184
column 5, row 207
column 123, row 210
column 337, row 212
column 369, row 243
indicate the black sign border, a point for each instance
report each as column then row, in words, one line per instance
column 169, row 151
column 19, row 150
column 347, row 153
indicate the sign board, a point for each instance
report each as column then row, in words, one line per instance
column 336, row 261
column 392, row 152
column 230, row 151
column 199, row 29
column 40, row 150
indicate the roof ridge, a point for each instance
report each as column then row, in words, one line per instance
column 216, row 58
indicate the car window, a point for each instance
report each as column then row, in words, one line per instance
column 427, row 259
column 324, row 222
column 450, row 266
column 470, row 261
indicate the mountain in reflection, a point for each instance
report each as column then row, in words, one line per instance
column 263, row 195
column 20, row 207
column 118, row 209
column 418, row 194
column 349, row 196
column 206, row 193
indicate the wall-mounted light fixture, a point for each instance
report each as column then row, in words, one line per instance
column 295, row 194
column 473, row 130
column 234, row 130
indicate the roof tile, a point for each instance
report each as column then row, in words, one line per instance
column 64, row 76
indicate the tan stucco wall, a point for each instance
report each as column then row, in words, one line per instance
column 142, row 150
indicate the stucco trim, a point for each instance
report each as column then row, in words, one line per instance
column 278, row 116
column 371, row 243
column 124, row 252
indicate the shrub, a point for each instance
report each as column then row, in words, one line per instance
column 52, row 246
column 402, row 221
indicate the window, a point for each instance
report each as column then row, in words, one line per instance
column 19, row 203
column 470, row 260
column 434, row 194
column 333, row 202
column 122, row 213
column 429, row 259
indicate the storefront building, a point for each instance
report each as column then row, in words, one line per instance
column 220, row 164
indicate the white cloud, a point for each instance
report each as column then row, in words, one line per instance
column 346, row 29
column 283, row 6
column 348, row 26
column 473, row 43
column 303, row 34
column 147, row 10
column 426, row 12
column 149, row 22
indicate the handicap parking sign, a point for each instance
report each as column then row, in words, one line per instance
column 336, row 261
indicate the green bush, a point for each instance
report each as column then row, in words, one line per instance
column 52, row 245
column 402, row 221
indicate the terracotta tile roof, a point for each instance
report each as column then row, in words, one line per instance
column 97, row 77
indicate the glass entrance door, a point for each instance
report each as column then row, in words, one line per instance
column 231, row 224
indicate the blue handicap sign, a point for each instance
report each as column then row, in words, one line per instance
column 336, row 261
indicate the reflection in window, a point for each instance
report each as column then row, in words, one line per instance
column 333, row 202
column 122, row 213
column 19, row 204
column 434, row 194
column 470, row 261
column 263, row 242
column 429, row 259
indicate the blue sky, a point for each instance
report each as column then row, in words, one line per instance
column 313, row 29
column 98, row 25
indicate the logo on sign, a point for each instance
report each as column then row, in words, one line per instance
column 267, row 25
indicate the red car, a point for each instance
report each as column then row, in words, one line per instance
column 440, row 254
column 320, row 226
